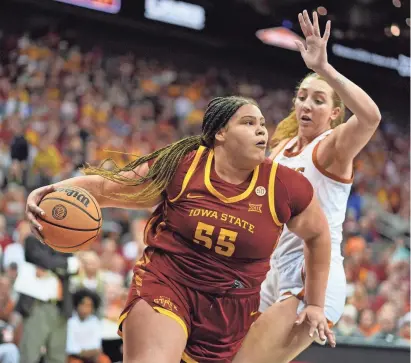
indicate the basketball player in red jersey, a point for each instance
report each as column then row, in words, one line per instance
column 221, row 207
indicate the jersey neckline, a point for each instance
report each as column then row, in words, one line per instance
column 287, row 153
column 216, row 193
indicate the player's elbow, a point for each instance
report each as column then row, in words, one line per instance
column 320, row 237
column 373, row 116
column 377, row 115
column 318, row 248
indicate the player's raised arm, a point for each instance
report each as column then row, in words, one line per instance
column 348, row 139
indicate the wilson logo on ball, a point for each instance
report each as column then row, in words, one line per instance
column 59, row 212
column 75, row 194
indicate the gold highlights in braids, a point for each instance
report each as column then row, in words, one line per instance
column 218, row 113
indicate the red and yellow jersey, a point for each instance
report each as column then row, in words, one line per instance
column 215, row 236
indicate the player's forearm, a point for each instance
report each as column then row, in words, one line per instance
column 317, row 266
column 92, row 183
column 354, row 97
column 108, row 193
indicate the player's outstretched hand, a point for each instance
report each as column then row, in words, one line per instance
column 314, row 52
column 314, row 316
column 33, row 210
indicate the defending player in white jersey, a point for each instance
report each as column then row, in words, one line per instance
column 315, row 141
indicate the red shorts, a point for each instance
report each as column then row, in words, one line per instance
column 214, row 325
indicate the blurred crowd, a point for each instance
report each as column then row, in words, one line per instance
column 61, row 107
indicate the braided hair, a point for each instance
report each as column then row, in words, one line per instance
column 288, row 128
column 218, row 113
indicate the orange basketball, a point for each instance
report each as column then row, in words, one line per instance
column 72, row 219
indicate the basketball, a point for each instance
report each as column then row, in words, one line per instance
column 72, row 219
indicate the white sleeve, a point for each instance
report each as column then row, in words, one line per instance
column 71, row 346
column 9, row 256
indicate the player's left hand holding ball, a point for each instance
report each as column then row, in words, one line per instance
column 33, row 210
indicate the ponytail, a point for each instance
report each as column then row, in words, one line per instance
column 286, row 129
column 160, row 173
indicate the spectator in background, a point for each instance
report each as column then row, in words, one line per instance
column 11, row 273
column 6, row 301
column 347, row 326
column 354, row 204
column 84, row 329
column 9, row 353
column 371, row 284
column 14, row 252
column 47, row 163
column 401, row 252
column 111, row 262
column 45, row 322
column 68, row 171
column 74, row 150
column 13, row 202
column 398, row 298
column 6, row 310
column 354, row 247
column 404, row 328
column 90, row 275
column 133, row 249
column 115, row 295
column 7, row 304
column 366, row 323
column 19, row 153
column 359, row 299
column 387, row 316
column 116, row 270
column 5, row 238
column 350, row 275
column 5, row 162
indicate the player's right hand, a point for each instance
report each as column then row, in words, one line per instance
column 314, row 51
column 33, row 210
column 314, row 316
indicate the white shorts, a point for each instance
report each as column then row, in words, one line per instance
column 281, row 283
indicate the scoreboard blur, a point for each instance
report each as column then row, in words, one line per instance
column 107, row 6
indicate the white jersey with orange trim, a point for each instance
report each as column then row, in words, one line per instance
column 331, row 191
column 286, row 277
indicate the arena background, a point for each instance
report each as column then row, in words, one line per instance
column 165, row 73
